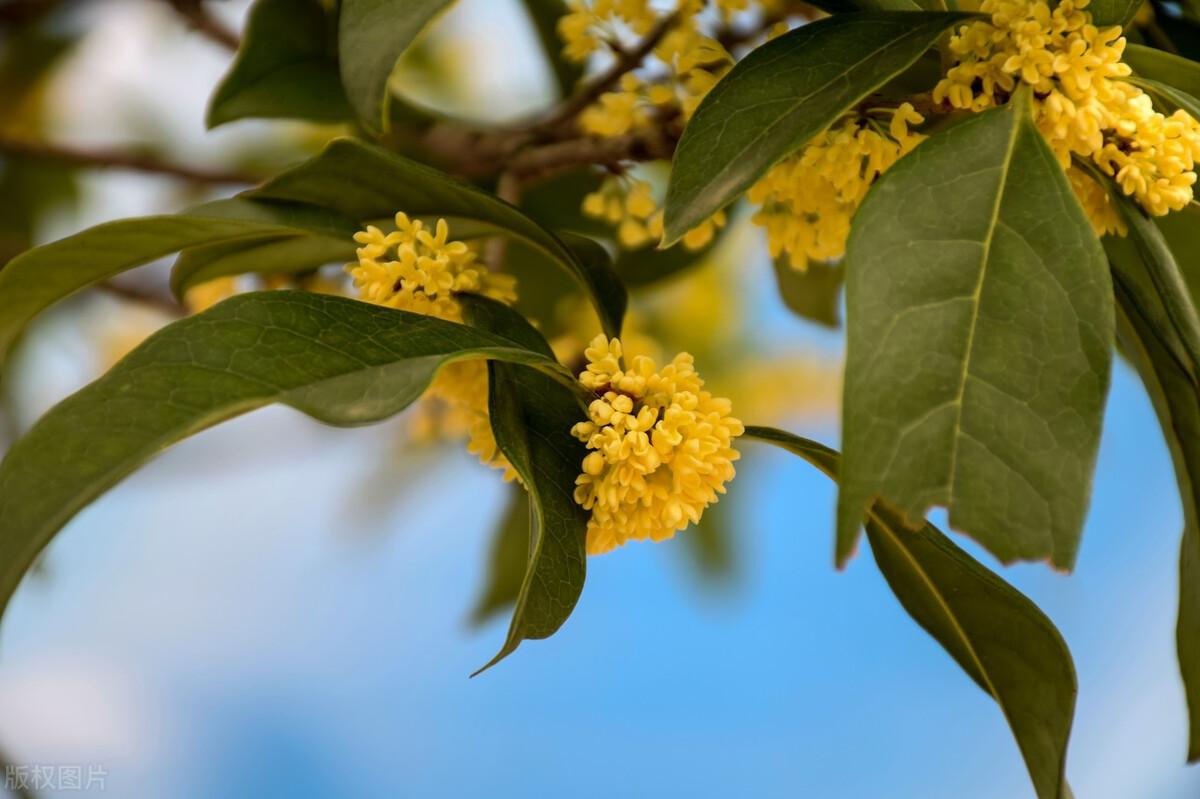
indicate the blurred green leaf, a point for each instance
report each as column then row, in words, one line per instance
column 366, row 182
column 813, row 294
column 1112, row 12
column 531, row 417
column 372, row 35
column 709, row 544
column 506, row 560
column 973, row 252
column 286, row 67
column 340, row 361
column 780, row 96
column 38, row 278
column 995, row 634
column 1165, row 68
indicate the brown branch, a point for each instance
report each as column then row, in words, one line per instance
column 627, row 61
column 118, row 159
column 200, row 20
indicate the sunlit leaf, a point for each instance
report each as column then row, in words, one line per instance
column 999, row 638
column 979, row 342
column 780, row 96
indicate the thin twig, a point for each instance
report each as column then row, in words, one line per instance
column 200, row 20
column 627, row 61
column 117, row 159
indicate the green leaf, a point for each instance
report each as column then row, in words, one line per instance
column 372, row 35
column 979, row 342
column 1113, row 12
column 506, row 560
column 780, row 96
column 286, row 67
column 1172, row 292
column 275, row 255
column 997, row 635
column 340, row 361
column 709, row 545
column 531, row 417
column 545, row 14
column 814, row 293
column 1182, row 231
column 38, row 278
column 1165, row 68
column 364, row 182
column 1173, row 391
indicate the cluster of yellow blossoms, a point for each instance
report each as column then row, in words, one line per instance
column 1081, row 105
column 662, row 447
column 687, row 63
column 809, row 198
column 418, row 270
column 628, row 204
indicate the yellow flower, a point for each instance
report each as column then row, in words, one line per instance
column 661, row 447
column 630, row 205
column 809, row 198
column 1081, row 104
column 414, row 270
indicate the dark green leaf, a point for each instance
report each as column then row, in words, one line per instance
column 1173, row 391
column 979, row 342
column 813, row 294
column 38, row 278
column 276, row 255
column 366, row 182
column 340, row 361
column 286, row 67
column 1182, row 230
column 780, row 96
column 1113, row 12
column 1165, row 68
column 506, row 560
column 999, row 638
column 545, row 14
column 372, row 35
column 531, row 417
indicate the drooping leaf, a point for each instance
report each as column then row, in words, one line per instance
column 506, row 560
column 1173, row 391
column 545, row 14
column 996, row 634
column 780, row 96
column 1168, row 69
column 38, row 278
column 531, row 417
column 367, row 182
column 1113, row 12
column 372, row 35
column 1182, row 231
column 813, row 294
column 275, row 255
column 286, row 67
column 979, row 339
column 340, row 361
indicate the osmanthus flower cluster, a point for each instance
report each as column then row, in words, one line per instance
column 808, row 200
column 418, row 270
column 687, row 62
column 661, row 447
column 1081, row 104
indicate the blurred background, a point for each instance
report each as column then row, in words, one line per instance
column 276, row 608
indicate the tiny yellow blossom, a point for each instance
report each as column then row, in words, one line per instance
column 630, row 205
column 413, row 269
column 1081, row 104
column 808, row 199
column 661, row 447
